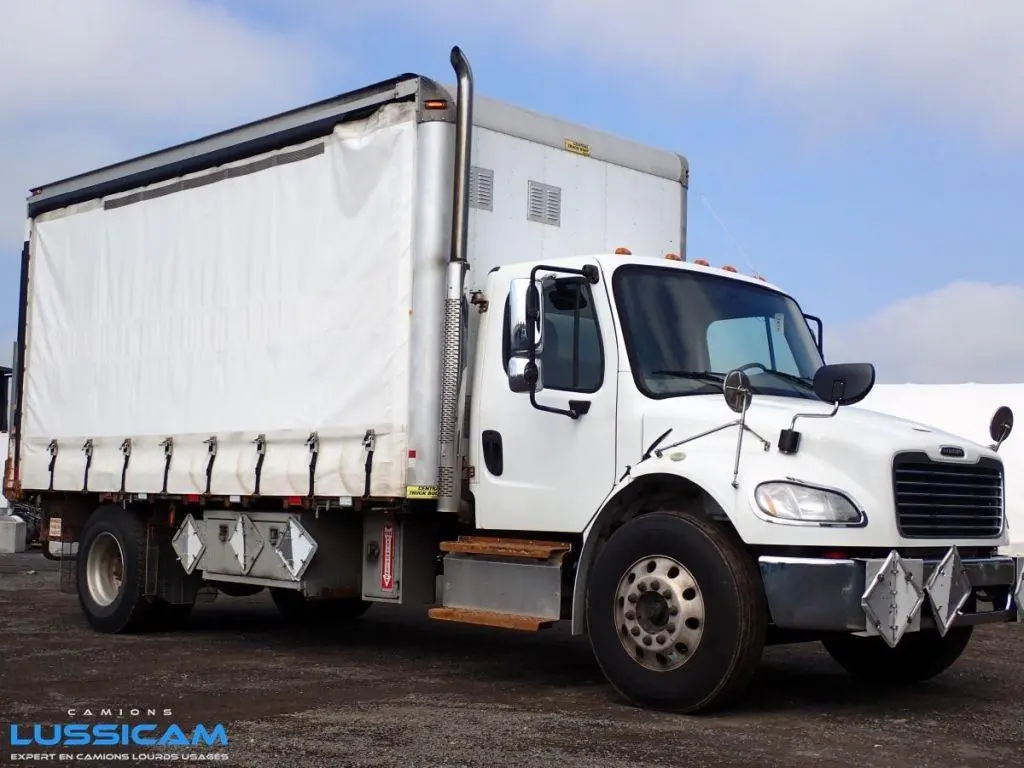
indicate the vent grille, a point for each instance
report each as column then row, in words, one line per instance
column 481, row 188
column 938, row 500
column 544, row 204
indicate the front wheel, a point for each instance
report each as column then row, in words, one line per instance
column 919, row 656
column 676, row 612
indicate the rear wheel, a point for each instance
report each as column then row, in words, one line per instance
column 919, row 656
column 675, row 612
column 110, row 570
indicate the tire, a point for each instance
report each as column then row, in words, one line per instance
column 710, row 577
column 113, row 534
column 294, row 607
column 919, row 656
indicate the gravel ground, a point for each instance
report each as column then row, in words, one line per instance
column 399, row 690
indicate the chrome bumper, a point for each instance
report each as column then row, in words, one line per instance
column 891, row 596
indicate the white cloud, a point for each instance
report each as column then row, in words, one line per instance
column 84, row 84
column 825, row 62
column 964, row 332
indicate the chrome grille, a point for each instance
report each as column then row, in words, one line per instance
column 936, row 500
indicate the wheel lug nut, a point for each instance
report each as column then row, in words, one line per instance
column 630, row 615
column 655, row 585
column 673, row 611
column 670, row 628
column 660, row 639
column 647, row 640
column 635, row 631
column 642, row 587
column 667, row 594
column 632, row 598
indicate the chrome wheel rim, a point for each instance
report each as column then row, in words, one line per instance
column 659, row 613
column 104, row 569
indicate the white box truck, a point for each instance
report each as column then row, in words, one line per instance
column 408, row 346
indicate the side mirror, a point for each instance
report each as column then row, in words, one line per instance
column 1001, row 426
column 5, row 399
column 819, row 336
column 526, row 334
column 844, row 383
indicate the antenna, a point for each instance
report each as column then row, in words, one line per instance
column 728, row 233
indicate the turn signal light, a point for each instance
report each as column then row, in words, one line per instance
column 620, row 251
column 436, row 104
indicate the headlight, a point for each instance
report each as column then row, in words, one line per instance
column 801, row 503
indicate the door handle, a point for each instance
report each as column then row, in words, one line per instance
column 494, row 459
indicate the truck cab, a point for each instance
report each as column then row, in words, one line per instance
column 672, row 412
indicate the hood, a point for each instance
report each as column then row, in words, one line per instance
column 851, row 452
column 852, row 428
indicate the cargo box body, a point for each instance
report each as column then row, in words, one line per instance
column 204, row 318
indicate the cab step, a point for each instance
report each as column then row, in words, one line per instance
column 490, row 619
column 501, row 582
column 501, row 547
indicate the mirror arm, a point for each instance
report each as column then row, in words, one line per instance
column 789, row 439
column 820, row 340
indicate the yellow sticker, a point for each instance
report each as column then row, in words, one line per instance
column 577, row 147
column 421, row 492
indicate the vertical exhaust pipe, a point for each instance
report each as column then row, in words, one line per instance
column 449, row 474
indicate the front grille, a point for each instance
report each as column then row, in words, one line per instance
column 939, row 500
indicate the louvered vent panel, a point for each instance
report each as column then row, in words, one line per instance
column 481, row 188
column 544, row 204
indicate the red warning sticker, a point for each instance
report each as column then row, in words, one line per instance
column 387, row 562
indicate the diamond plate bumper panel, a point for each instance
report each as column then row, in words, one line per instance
column 948, row 589
column 893, row 598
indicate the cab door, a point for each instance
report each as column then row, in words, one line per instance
column 537, row 467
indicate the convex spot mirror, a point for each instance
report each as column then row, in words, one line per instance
column 737, row 391
column 844, row 383
column 1002, row 424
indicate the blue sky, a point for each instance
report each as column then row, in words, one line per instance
column 863, row 156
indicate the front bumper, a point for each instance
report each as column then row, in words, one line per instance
column 892, row 596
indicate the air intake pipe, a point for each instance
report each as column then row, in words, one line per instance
column 449, row 474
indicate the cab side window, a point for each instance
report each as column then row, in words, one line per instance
column 572, row 359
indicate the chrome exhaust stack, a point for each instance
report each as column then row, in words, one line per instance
column 449, row 474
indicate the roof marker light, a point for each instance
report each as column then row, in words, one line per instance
column 702, row 263
column 727, row 268
column 673, row 257
column 620, row 251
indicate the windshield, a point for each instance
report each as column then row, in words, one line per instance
column 685, row 330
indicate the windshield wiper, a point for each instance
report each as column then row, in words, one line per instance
column 805, row 383
column 711, row 376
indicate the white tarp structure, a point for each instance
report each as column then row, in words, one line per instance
column 276, row 302
column 965, row 410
